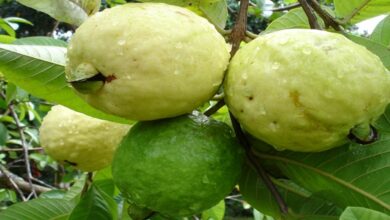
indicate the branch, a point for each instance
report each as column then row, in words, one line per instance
column 19, row 184
column 257, row 166
column 288, row 7
column 238, row 34
column 239, row 29
column 310, row 15
column 11, row 182
column 328, row 19
column 24, row 145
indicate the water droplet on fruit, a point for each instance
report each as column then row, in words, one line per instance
column 306, row 51
column 262, row 111
column 176, row 72
column 244, row 76
column 275, row 66
column 284, row 41
column 121, row 42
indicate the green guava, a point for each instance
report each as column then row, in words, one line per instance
column 146, row 61
column 304, row 90
column 80, row 140
column 177, row 166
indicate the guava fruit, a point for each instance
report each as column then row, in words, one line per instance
column 146, row 61
column 177, row 166
column 305, row 90
column 80, row 140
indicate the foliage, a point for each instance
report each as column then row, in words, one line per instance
column 347, row 183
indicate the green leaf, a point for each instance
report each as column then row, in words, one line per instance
column 381, row 33
column 295, row 18
column 3, row 134
column 40, row 71
column 350, row 175
column 301, row 202
column 38, row 209
column 7, row 28
column 380, row 50
column 215, row 213
column 43, row 41
column 103, row 179
column 73, row 193
column 95, row 205
column 53, row 194
column 18, row 20
column 359, row 213
column 5, row 39
column 61, row 10
column 357, row 10
column 214, row 10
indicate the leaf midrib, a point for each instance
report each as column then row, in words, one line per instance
column 328, row 175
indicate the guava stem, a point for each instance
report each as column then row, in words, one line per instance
column 257, row 166
column 238, row 34
column 213, row 109
column 326, row 17
column 310, row 15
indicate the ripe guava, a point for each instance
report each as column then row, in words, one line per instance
column 177, row 166
column 80, row 140
column 146, row 61
column 304, row 90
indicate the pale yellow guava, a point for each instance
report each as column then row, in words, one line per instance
column 304, row 90
column 146, row 61
column 80, row 140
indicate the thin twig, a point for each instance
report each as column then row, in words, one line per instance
column 238, row 34
column 20, row 149
column 328, row 19
column 257, row 166
column 24, row 145
column 20, row 182
column 213, row 109
column 13, row 184
column 251, row 35
column 87, row 184
column 42, row 183
column 310, row 15
column 288, row 7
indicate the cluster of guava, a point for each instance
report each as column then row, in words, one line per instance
column 301, row 90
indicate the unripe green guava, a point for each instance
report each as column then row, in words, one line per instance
column 304, row 90
column 80, row 140
column 178, row 166
column 146, row 61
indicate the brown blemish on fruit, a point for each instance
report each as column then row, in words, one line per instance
column 294, row 95
column 110, row 78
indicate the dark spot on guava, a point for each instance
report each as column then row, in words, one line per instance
column 110, row 78
column 295, row 97
column 71, row 163
column 190, row 4
column 250, row 98
column 242, row 110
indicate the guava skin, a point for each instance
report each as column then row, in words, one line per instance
column 154, row 68
column 80, row 140
column 178, row 166
column 304, row 90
